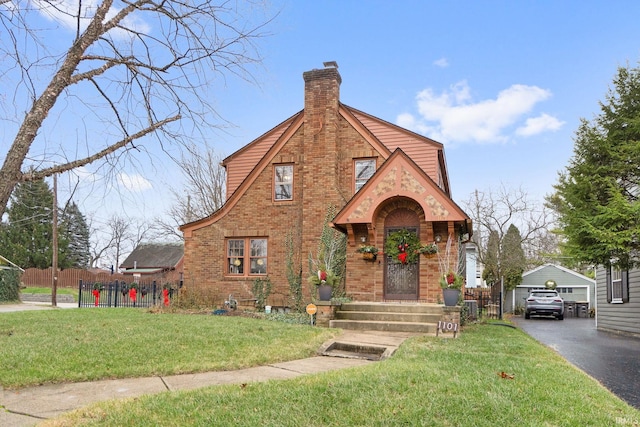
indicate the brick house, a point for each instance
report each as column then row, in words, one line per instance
column 380, row 177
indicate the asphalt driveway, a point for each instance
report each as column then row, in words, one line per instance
column 612, row 359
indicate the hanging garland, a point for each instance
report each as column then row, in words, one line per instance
column 402, row 246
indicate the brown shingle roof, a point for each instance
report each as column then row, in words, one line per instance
column 158, row 255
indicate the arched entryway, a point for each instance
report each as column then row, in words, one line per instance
column 401, row 281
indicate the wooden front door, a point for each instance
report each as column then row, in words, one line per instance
column 401, row 281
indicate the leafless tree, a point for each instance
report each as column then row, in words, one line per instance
column 116, row 238
column 496, row 210
column 119, row 71
column 203, row 192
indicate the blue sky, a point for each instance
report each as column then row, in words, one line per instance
column 503, row 84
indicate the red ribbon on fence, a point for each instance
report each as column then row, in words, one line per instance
column 96, row 294
column 165, row 294
column 132, row 294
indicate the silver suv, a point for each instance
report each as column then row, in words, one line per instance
column 544, row 302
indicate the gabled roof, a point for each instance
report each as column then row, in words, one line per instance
column 383, row 136
column 399, row 176
column 558, row 267
column 154, row 256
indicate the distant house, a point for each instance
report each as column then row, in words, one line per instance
column 571, row 285
column 154, row 261
column 381, row 180
column 618, row 300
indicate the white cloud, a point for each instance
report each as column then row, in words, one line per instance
column 64, row 12
column 134, row 183
column 442, row 62
column 453, row 117
column 536, row 125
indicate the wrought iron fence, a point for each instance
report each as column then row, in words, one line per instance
column 488, row 301
column 121, row 294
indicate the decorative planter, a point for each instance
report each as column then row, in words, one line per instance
column 368, row 256
column 324, row 292
column 450, row 297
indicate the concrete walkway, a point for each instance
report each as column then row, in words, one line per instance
column 28, row 406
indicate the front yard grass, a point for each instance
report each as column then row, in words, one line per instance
column 52, row 346
column 428, row 382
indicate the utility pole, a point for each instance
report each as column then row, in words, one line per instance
column 54, row 260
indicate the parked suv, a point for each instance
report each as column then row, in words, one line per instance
column 544, row 302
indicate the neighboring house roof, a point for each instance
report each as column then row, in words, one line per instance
column 559, row 268
column 153, row 257
column 5, row 264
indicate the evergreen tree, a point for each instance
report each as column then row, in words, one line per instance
column 76, row 233
column 597, row 196
column 491, row 272
column 27, row 237
column 512, row 258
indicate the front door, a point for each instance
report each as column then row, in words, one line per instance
column 401, row 280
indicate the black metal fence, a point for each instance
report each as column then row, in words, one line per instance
column 122, row 294
column 488, row 301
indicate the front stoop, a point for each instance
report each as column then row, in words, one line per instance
column 389, row 317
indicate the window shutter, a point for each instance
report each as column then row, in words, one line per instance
column 608, row 270
column 625, row 286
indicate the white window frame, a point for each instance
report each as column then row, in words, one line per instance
column 282, row 179
column 616, row 285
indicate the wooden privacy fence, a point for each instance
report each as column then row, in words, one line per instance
column 67, row 278
column 120, row 294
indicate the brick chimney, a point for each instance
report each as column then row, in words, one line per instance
column 321, row 97
column 320, row 177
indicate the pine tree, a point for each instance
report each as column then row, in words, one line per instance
column 76, row 233
column 597, row 196
column 27, row 237
column 512, row 259
column 491, row 272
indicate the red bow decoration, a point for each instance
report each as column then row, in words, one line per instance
column 165, row 294
column 96, row 294
column 132, row 294
column 402, row 256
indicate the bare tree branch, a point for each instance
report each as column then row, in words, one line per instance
column 130, row 70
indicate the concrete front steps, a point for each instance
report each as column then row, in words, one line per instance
column 389, row 317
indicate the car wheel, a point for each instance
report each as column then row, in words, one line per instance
column 560, row 317
column 527, row 316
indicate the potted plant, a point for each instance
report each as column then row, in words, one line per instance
column 368, row 252
column 451, row 281
column 428, row 249
column 325, row 281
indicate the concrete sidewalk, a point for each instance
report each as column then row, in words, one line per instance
column 28, row 406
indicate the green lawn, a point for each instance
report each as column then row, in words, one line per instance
column 429, row 381
column 51, row 346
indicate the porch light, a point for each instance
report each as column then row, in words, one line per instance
column 363, row 239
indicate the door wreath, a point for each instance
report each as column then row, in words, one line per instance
column 402, row 246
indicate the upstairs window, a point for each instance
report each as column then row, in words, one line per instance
column 283, row 182
column 617, row 285
column 246, row 252
column 364, row 169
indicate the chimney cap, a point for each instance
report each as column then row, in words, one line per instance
column 330, row 64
